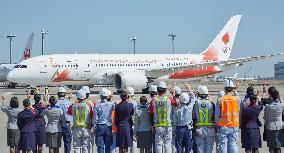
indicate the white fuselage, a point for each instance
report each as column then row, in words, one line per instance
column 4, row 71
column 86, row 69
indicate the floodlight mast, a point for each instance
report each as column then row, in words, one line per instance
column 173, row 35
column 133, row 39
column 43, row 33
column 10, row 37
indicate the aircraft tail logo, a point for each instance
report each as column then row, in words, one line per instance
column 28, row 48
column 220, row 48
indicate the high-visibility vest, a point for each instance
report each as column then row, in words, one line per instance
column 113, row 127
column 204, row 112
column 161, row 108
column 80, row 116
column 229, row 111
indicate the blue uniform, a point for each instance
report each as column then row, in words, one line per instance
column 64, row 104
column 102, row 122
column 40, row 123
column 26, row 124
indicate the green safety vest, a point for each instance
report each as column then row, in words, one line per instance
column 203, row 121
column 80, row 115
column 162, row 122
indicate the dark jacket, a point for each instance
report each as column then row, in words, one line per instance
column 26, row 120
column 39, row 118
column 249, row 118
column 123, row 114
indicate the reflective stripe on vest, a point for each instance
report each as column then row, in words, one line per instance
column 201, row 121
column 162, row 123
column 80, row 117
column 113, row 127
column 229, row 111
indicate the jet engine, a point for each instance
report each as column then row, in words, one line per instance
column 136, row 80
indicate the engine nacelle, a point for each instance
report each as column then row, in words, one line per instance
column 136, row 80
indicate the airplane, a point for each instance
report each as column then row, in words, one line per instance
column 136, row 70
column 6, row 68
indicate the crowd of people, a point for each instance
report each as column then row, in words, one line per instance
column 185, row 122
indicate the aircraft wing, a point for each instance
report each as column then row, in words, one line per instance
column 239, row 61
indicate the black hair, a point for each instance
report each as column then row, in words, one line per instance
column 52, row 100
column 161, row 90
column 26, row 103
column 143, row 100
column 203, row 96
column 14, row 102
column 253, row 98
column 61, row 94
column 271, row 89
column 250, row 90
column 123, row 95
column 275, row 94
column 229, row 89
column 37, row 98
column 104, row 97
column 87, row 95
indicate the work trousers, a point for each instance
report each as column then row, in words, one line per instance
column 163, row 139
column 227, row 139
column 183, row 139
column 205, row 139
column 80, row 141
column 67, row 137
column 91, row 141
column 105, row 133
column 100, row 144
column 113, row 146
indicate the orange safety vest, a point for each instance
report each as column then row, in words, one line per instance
column 113, row 127
column 229, row 111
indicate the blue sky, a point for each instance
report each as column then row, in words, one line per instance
column 93, row 26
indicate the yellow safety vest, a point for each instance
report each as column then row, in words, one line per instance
column 80, row 115
column 162, row 123
column 203, row 121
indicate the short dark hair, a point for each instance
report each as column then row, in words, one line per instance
column 253, row 98
column 37, row 97
column 52, row 100
column 161, row 90
column 143, row 99
column 271, row 89
column 275, row 94
column 250, row 90
column 123, row 95
column 14, row 102
column 229, row 89
column 26, row 103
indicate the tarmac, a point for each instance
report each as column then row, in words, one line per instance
column 214, row 88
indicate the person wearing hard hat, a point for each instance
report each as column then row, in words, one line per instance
column 64, row 104
column 162, row 110
column 102, row 121
column 227, row 119
column 152, row 93
column 204, row 114
column 113, row 128
column 175, row 91
column 81, row 122
column 183, row 123
column 130, row 92
column 92, row 104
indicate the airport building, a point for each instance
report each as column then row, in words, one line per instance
column 279, row 71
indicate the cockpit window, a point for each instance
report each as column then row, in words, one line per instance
column 21, row 66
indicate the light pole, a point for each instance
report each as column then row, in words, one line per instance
column 11, row 36
column 133, row 38
column 43, row 33
column 173, row 38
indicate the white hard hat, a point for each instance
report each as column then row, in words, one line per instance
column 104, row 92
column 203, row 90
column 109, row 92
column 184, row 98
column 153, row 88
column 86, row 89
column 61, row 89
column 81, row 94
column 221, row 94
column 130, row 91
column 178, row 90
column 162, row 84
column 229, row 83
